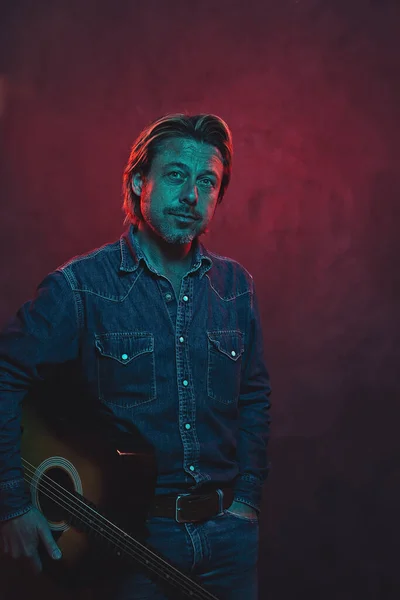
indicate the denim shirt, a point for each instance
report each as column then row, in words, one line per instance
column 187, row 371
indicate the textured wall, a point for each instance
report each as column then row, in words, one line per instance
column 311, row 90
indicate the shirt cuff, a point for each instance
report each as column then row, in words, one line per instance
column 248, row 489
column 14, row 500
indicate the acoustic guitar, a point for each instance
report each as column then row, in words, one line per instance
column 82, row 478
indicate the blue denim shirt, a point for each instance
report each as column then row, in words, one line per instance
column 188, row 372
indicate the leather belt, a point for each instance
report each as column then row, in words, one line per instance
column 191, row 508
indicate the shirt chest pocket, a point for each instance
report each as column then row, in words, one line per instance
column 125, row 368
column 225, row 350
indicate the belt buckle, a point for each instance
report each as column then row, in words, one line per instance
column 220, row 501
column 178, row 508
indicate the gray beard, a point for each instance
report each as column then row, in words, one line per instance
column 180, row 237
column 183, row 238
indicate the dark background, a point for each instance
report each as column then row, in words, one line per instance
column 311, row 90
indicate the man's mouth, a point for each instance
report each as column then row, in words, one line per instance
column 184, row 216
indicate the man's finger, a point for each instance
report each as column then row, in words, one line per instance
column 49, row 543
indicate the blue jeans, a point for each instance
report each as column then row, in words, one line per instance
column 221, row 553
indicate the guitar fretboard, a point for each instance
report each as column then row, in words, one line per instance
column 85, row 516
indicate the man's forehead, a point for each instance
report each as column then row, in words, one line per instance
column 189, row 151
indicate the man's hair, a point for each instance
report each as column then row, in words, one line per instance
column 203, row 128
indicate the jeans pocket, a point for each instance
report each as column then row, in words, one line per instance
column 225, row 349
column 125, row 368
column 241, row 517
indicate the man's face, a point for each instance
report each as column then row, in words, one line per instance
column 179, row 195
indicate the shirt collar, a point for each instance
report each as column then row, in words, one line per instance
column 132, row 254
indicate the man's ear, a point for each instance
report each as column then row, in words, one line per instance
column 137, row 183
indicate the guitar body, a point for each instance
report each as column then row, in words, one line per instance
column 93, row 478
column 75, row 470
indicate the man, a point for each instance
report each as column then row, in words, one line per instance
column 166, row 335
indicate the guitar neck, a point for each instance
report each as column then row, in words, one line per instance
column 85, row 516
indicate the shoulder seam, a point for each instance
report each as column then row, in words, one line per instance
column 76, row 259
column 68, row 275
column 231, row 260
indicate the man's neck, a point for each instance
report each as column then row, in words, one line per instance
column 164, row 257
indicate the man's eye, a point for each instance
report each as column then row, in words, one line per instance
column 208, row 182
column 175, row 175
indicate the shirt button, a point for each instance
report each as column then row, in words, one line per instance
column 191, row 468
column 233, row 353
column 185, row 298
column 168, row 297
column 124, row 356
column 185, row 382
column 187, row 426
column 181, row 339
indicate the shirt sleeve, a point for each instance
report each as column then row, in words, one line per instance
column 43, row 334
column 254, row 415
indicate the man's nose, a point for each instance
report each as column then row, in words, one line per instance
column 190, row 193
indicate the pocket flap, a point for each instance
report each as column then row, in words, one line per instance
column 228, row 342
column 124, row 347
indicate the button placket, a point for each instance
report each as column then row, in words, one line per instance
column 187, row 407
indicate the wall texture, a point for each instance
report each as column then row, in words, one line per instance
column 311, row 90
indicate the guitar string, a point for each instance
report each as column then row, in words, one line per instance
column 170, row 578
column 118, row 538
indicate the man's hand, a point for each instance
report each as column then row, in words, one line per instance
column 243, row 510
column 20, row 537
